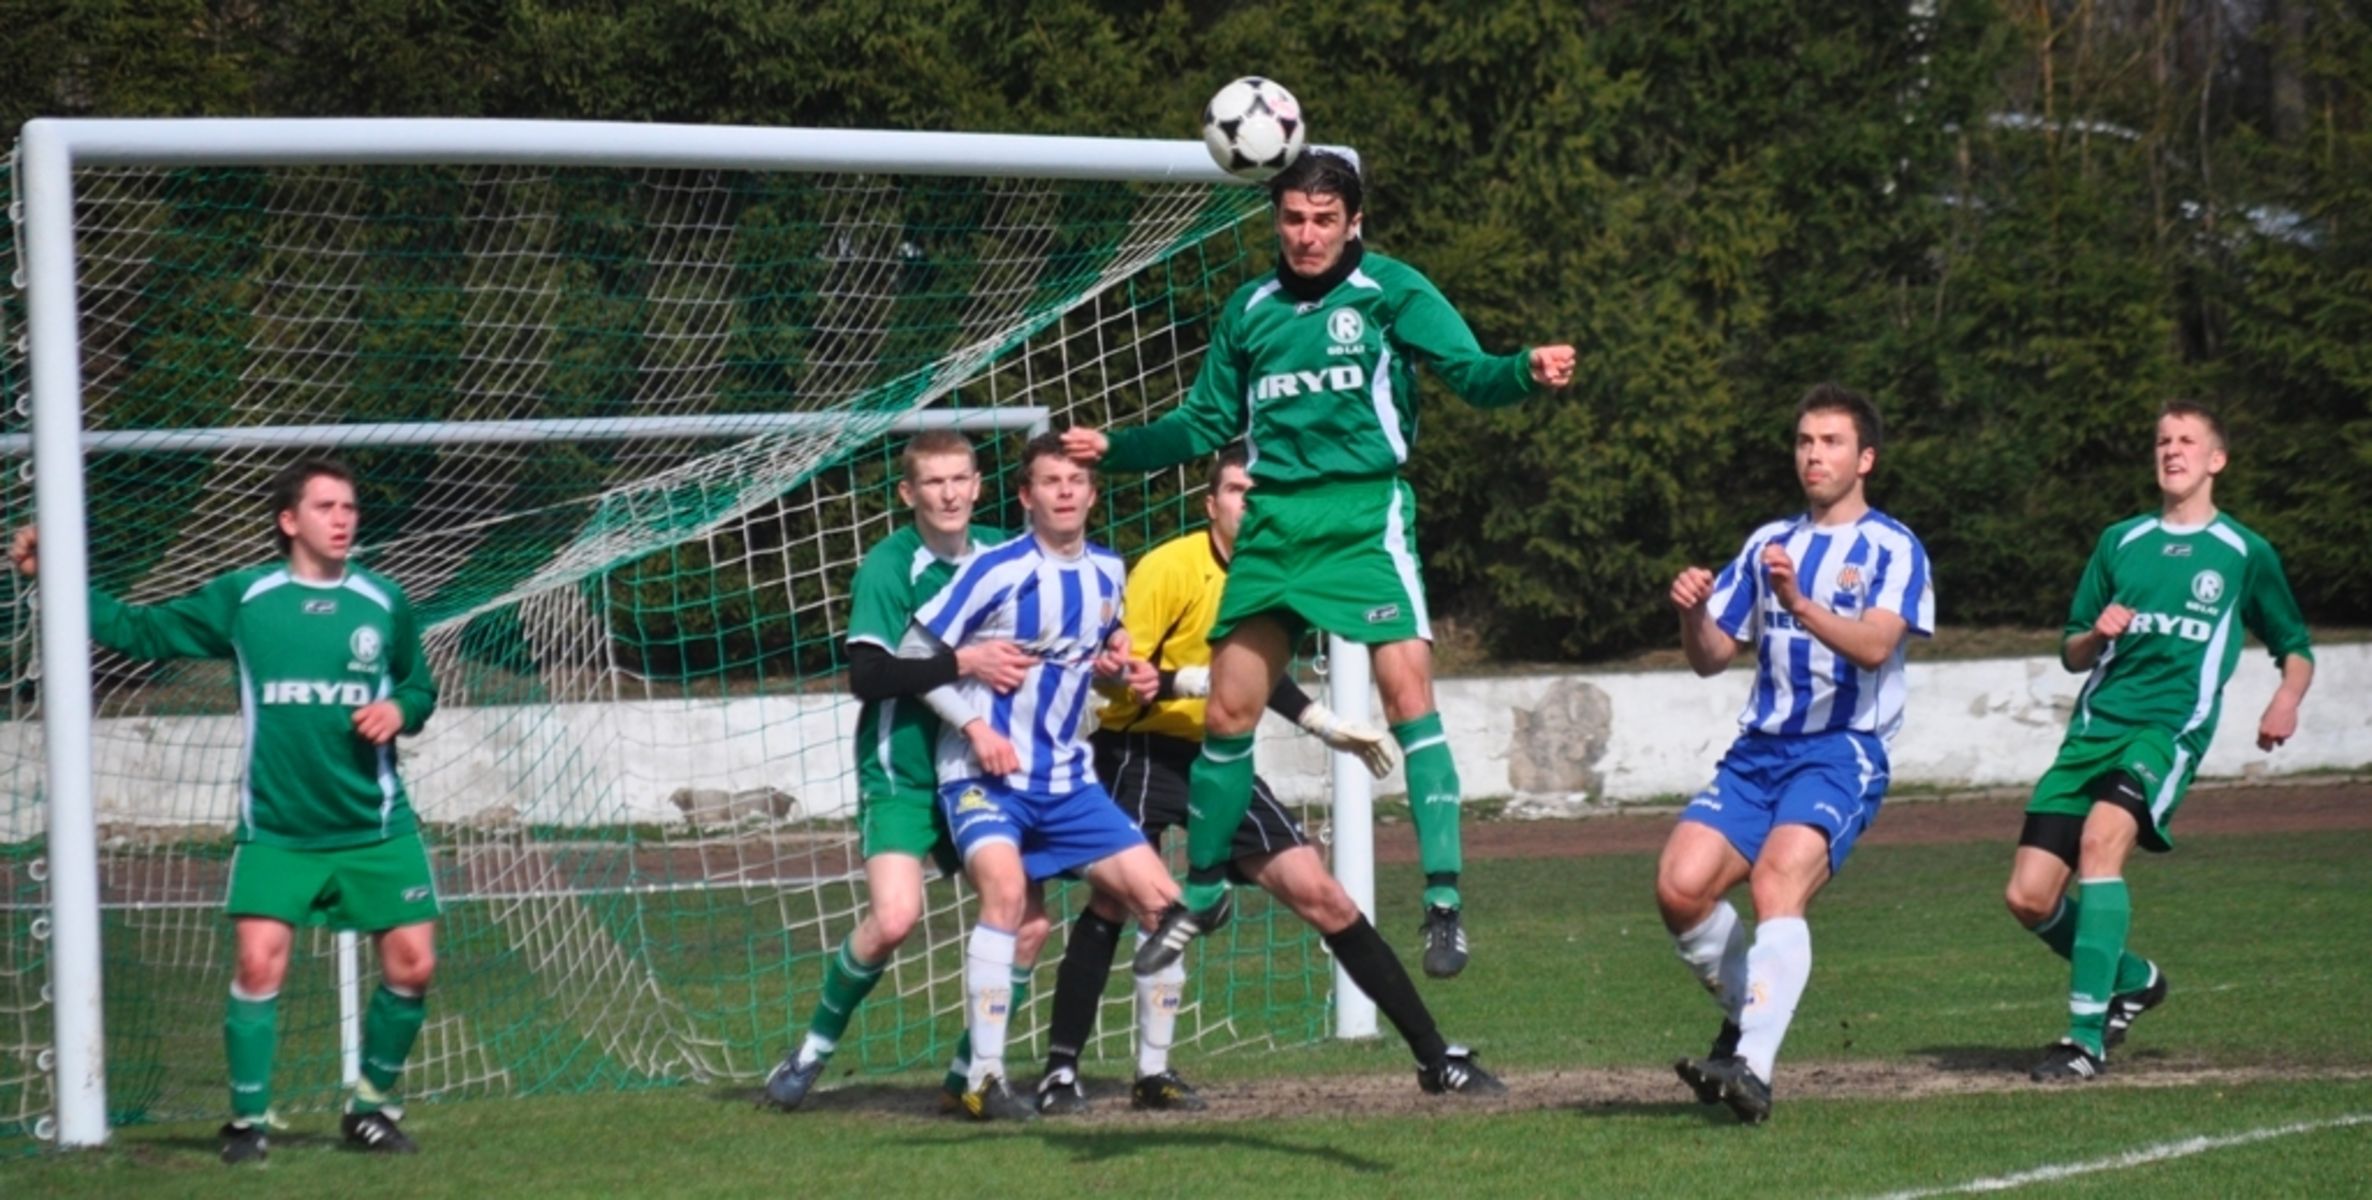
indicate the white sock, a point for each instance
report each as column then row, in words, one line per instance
column 1776, row 970
column 815, row 1048
column 988, row 986
column 1715, row 952
column 1159, row 996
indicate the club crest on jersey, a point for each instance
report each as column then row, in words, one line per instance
column 321, row 608
column 2207, row 587
column 1344, row 325
column 365, row 644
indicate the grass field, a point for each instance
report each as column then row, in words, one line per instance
column 1904, row 1070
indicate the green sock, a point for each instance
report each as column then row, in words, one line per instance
column 1219, row 793
column 249, row 1032
column 390, row 1025
column 1433, row 797
column 846, row 984
column 959, row 1072
column 2059, row 933
column 2105, row 915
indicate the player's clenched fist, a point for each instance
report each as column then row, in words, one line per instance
column 1552, row 366
column 1692, row 589
column 22, row 548
column 1084, row 444
column 1780, row 569
column 2113, row 621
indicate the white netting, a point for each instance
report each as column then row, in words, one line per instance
column 639, row 782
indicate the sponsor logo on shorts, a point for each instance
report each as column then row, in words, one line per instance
column 415, row 894
column 321, row 608
column 2207, row 587
column 1709, row 799
column 974, row 800
column 1382, row 613
column 1833, row 814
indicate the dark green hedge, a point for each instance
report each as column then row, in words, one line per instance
column 2021, row 227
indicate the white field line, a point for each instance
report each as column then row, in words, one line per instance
column 2131, row 1158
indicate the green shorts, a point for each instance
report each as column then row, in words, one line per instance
column 385, row 885
column 2162, row 770
column 908, row 823
column 1341, row 557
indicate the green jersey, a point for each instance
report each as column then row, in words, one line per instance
column 2191, row 590
column 309, row 654
column 898, row 738
column 1324, row 391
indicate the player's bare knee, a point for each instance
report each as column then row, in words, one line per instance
column 412, row 971
column 1108, row 908
column 1328, row 908
column 2027, row 908
column 261, row 974
column 1031, row 937
column 1684, row 903
column 892, row 924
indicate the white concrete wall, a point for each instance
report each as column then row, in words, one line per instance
column 1979, row 723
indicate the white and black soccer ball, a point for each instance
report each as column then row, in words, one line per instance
column 1253, row 127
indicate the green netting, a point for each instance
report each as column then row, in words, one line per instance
column 639, row 786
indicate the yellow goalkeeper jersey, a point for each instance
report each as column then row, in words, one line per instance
column 1171, row 603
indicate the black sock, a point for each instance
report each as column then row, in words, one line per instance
column 1079, row 988
column 1207, row 875
column 1442, row 879
column 1371, row 964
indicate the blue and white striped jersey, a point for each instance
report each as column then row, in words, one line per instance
column 1800, row 685
column 1059, row 609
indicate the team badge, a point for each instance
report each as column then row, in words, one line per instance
column 973, row 799
column 1849, row 578
column 365, row 645
column 1344, row 325
column 2207, row 587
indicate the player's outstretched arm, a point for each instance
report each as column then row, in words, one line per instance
column 1211, row 415
column 1708, row 647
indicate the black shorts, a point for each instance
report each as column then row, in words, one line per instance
column 1147, row 776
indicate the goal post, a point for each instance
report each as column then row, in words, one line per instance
column 647, row 396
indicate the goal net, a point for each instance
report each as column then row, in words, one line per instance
column 623, row 435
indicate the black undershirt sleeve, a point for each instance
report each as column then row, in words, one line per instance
column 876, row 674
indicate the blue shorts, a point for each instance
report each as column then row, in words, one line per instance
column 1830, row 781
column 1055, row 833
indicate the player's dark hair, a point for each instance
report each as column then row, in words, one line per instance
column 2200, row 413
column 1868, row 430
column 1234, row 454
column 1045, row 445
column 932, row 443
column 287, row 488
column 1319, row 173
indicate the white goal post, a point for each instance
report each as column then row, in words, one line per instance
column 52, row 150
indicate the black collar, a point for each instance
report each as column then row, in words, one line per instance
column 1310, row 289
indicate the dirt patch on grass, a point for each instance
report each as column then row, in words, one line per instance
column 1611, row 1089
column 2224, row 809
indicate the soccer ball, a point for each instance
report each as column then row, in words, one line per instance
column 1253, row 127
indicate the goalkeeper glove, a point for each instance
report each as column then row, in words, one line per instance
column 1190, row 681
column 1372, row 746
